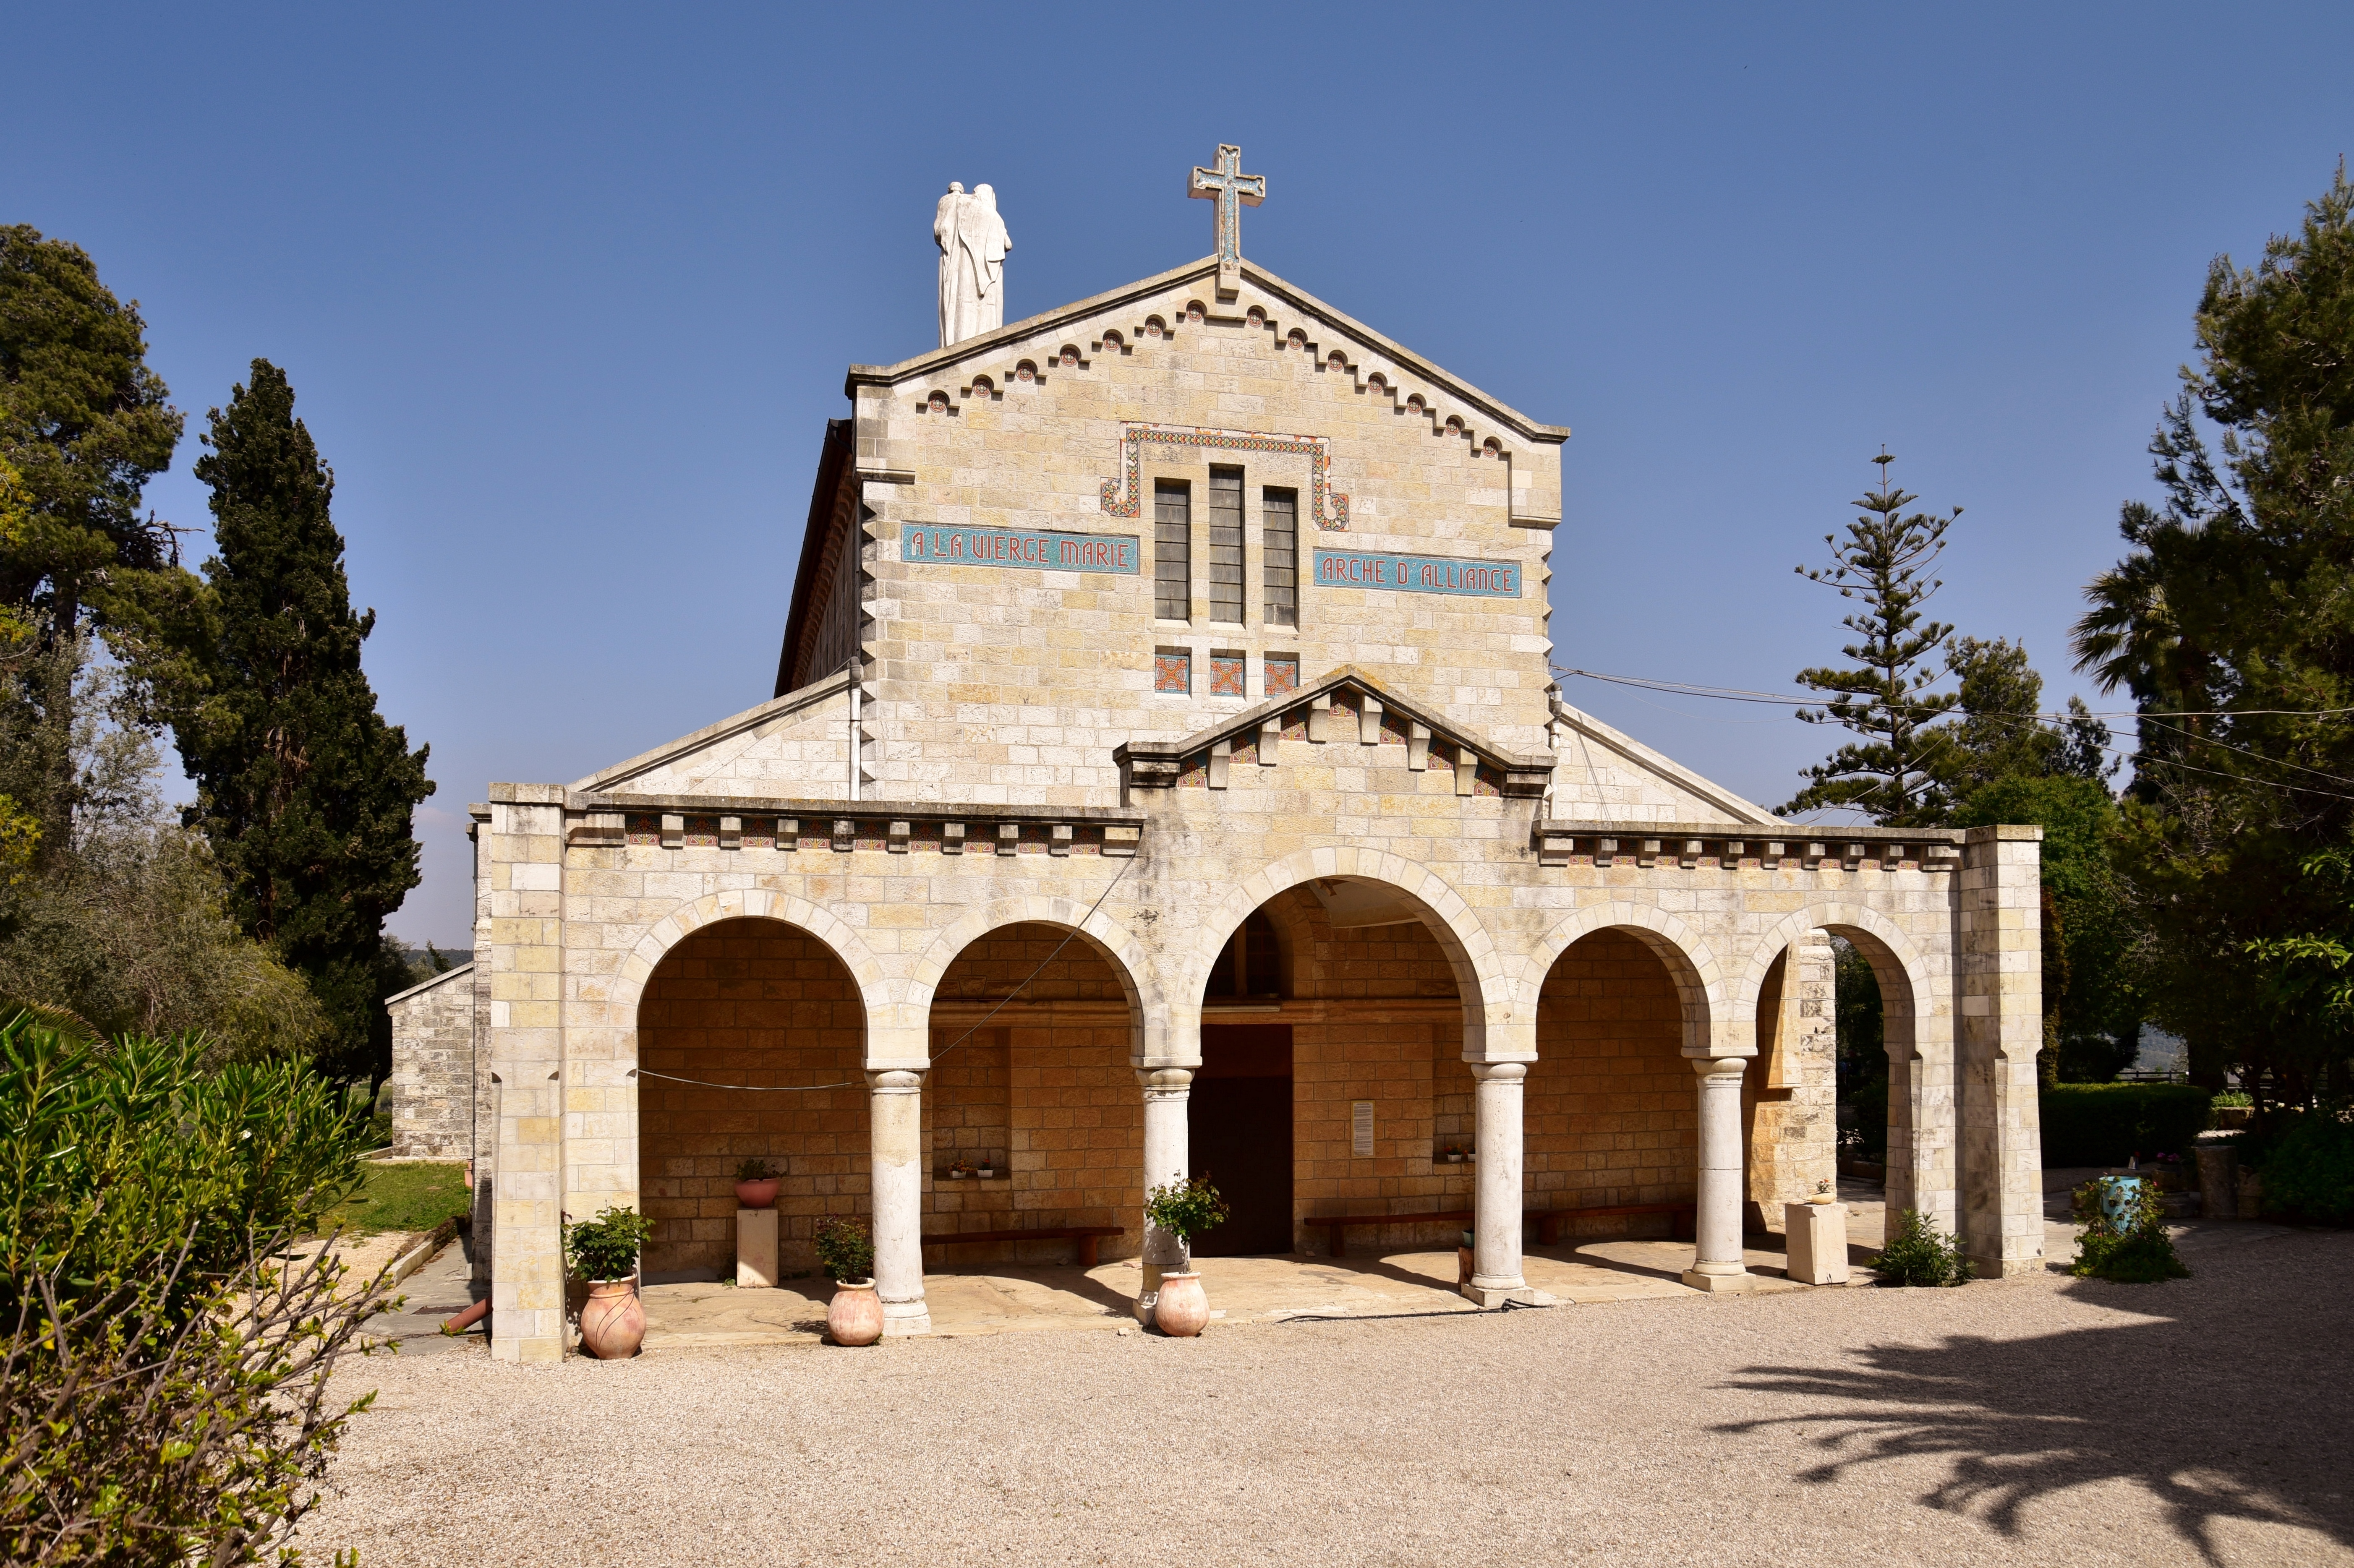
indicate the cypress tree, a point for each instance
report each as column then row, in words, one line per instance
column 303, row 791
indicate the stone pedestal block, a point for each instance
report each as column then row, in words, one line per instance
column 2218, row 1181
column 756, row 1248
column 1817, row 1237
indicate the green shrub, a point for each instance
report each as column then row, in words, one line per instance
column 167, row 1356
column 1920, row 1254
column 2130, row 1246
column 1186, row 1209
column 2308, row 1168
column 606, row 1247
column 2109, row 1124
column 2232, row 1099
column 845, row 1251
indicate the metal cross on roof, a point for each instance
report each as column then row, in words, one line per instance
column 1231, row 188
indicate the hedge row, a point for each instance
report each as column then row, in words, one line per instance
column 2107, row 1124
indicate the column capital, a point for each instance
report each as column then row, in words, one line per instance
column 1720, row 1067
column 1165, row 1083
column 897, row 1081
column 1499, row 1072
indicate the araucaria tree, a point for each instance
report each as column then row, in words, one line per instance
column 1891, row 772
column 303, row 791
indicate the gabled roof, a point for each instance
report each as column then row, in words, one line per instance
column 444, row 978
column 1300, row 299
column 1151, row 764
column 1585, row 726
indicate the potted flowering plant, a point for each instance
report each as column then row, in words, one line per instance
column 1184, row 1209
column 846, row 1252
column 1455, row 1153
column 604, row 1251
column 755, row 1184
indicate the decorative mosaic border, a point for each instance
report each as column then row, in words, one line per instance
column 1123, row 496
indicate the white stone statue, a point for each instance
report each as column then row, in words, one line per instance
column 974, row 243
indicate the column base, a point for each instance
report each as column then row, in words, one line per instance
column 902, row 1320
column 1492, row 1296
column 1720, row 1282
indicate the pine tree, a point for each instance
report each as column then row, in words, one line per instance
column 1889, row 775
column 85, row 424
column 303, row 791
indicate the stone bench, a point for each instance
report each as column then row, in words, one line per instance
column 1089, row 1238
column 1549, row 1221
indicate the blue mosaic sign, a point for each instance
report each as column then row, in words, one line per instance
column 937, row 544
column 1417, row 574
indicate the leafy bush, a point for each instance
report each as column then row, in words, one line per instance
column 1919, row 1254
column 2232, row 1099
column 2109, row 1124
column 162, row 1397
column 1186, row 1209
column 755, row 1171
column 2130, row 1244
column 606, row 1247
column 845, row 1251
column 2308, row 1168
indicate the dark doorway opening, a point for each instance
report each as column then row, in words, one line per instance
column 1239, row 1124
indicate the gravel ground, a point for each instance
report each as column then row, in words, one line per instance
column 2034, row 1421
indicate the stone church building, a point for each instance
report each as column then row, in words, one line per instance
column 1166, row 773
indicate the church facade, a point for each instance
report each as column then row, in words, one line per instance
column 1166, row 772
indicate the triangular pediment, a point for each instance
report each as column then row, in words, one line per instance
column 1348, row 706
column 1324, row 328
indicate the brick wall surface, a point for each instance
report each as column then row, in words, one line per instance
column 756, row 1003
column 1610, row 1114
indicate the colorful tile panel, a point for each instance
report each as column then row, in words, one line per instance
column 1225, row 676
column 1173, row 674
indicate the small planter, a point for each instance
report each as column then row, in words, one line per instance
column 614, row 1322
column 1455, row 1160
column 761, row 1194
column 855, row 1315
column 986, row 1171
column 1182, row 1310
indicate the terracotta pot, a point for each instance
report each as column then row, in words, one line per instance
column 1182, row 1309
column 855, row 1315
column 613, row 1320
column 761, row 1194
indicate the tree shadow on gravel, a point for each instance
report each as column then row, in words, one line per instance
column 2224, row 1403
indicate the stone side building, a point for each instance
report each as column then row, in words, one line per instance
column 441, row 1085
column 1166, row 772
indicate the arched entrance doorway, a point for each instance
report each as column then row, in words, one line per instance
column 1032, row 1026
column 750, row 1044
column 1610, row 1117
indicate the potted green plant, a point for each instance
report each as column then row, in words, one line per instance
column 755, row 1184
column 1455, row 1152
column 846, row 1252
column 604, row 1251
column 1183, row 1209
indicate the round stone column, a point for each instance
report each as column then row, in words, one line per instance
column 895, row 1100
column 1167, row 1139
column 1496, row 1234
column 1717, row 1263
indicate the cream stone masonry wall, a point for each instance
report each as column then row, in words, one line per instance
column 1037, row 423
column 578, row 922
column 1000, row 759
column 437, row 1095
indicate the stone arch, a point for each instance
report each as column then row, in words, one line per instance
column 744, row 903
column 1479, row 978
column 1107, row 937
column 1917, row 1035
column 1699, row 980
column 1897, row 962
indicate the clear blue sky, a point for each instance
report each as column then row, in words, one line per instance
column 566, row 294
